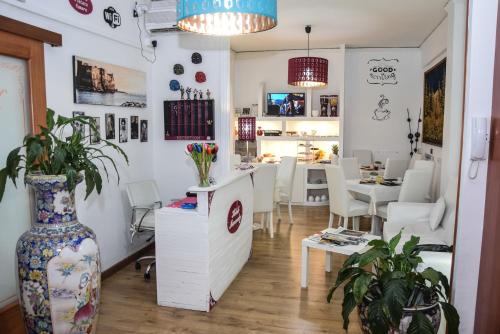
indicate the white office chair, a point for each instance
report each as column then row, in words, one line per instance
column 364, row 156
column 395, row 168
column 144, row 198
column 341, row 202
column 264, row 180
column 415, row 188
column 284, row 184
column 350, row 167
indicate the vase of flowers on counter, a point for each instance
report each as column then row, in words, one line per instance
column 203, row 154
column 58, row 258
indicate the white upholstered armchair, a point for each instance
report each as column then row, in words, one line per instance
column 434, row 223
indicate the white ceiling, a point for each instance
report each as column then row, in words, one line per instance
column 356, row 23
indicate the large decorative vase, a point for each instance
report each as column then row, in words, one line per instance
column 432, row 312
column 58, row 263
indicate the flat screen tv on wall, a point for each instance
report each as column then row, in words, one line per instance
column 286, row 104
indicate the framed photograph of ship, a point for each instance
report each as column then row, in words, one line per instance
column 434, row 95
column 189, row 120
column 95, row 82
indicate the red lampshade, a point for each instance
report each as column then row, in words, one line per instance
column 246, row 128
column 308, row 72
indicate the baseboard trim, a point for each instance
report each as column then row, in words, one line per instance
column 11, row 320
column 126, row 261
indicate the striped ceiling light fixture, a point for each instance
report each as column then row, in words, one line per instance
column 226, row 17
column 308, row 71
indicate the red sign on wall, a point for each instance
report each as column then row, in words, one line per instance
column 234, row 217
column 82, row 6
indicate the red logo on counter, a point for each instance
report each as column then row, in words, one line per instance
column 234, row 217
column 82, row 6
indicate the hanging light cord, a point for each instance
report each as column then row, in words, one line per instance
column 308, row 32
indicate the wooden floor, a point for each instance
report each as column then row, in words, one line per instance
column 266, row 297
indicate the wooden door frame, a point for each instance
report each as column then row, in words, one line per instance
column 24, row 41
column 487, row 316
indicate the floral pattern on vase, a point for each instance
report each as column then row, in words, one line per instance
column 58, row 263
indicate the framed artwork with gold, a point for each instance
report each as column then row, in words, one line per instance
column 434, row 97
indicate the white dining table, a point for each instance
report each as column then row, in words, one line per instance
column 377, row 194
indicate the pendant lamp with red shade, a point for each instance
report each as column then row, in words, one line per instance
column 309, row 72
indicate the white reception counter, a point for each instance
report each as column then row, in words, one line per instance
column 200, row 252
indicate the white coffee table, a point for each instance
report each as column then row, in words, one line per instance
column 312, row 242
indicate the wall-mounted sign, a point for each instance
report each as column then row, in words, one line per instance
column 382, row 71
column 234, row 216
column 112, row 17
column 382, row 113
column 82, row 6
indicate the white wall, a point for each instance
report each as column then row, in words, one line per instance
column 479, row 82
column 271, row 67
column 384, row 138
column 174, row 170
column 108, row 214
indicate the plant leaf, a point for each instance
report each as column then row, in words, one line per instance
column 452, row 317
column 395, row 241
column 50, row 119
column 431, row 275
column 371, row 255
column 361, row 286
column 351, row 260
column 3, row 181
column 410, row 245
column 395, row 296
column 377, row 318
column 348, row 305
column 420, row 324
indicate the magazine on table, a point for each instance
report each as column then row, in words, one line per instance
column 343, row 237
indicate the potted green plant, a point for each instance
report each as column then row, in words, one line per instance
column 58, row 258
column 392, row 296
column 335, row 154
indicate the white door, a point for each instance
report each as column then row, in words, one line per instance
column 15, row 209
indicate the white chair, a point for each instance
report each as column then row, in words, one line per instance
column 350, row 167
column 364, row 156
column 284, row 184
column 395, row 168
column 415, row 188
column 264, row 180
column 423, row 164
column 341, row 202
column 427, row 221
column 144, row 198
column 415, row 157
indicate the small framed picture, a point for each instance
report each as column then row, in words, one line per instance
column 110, row 126
column 134, row 127
column 329, row 105
column 123, row 130
column 144, row 130
column 95, row 135
column 78, row 126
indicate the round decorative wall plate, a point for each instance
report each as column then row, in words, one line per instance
column 178, row 69
column 174, row 85
column 196, row 58
column 200, row 77
column 84, row 7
